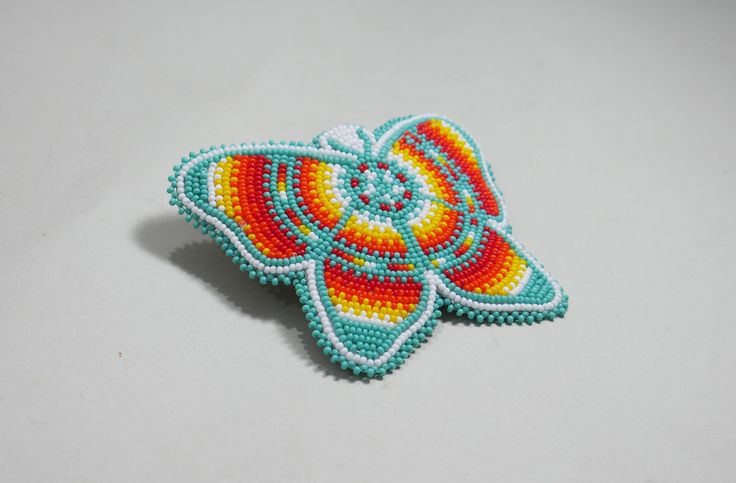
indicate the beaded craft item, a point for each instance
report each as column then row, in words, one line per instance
column 375, row 230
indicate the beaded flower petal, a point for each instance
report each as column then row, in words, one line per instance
column 376, row 231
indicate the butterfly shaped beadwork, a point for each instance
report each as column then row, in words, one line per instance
column 376, row 230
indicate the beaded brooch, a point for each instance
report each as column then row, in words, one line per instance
column 375, row 230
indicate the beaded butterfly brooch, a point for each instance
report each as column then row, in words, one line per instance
column 375, row 230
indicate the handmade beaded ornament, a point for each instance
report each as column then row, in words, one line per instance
column 376, row 231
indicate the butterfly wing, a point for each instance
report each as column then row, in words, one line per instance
column 478, row 267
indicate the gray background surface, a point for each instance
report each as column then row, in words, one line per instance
column 131, row 349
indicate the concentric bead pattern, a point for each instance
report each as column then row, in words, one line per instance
column 377, row 231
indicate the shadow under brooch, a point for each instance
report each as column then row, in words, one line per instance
column 375, row 230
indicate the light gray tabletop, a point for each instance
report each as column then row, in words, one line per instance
column 132, row 350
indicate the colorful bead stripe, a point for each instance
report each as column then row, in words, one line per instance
column 356, row 296
column 376, row 230
column 437, row 226
column 315, row 185
column 454, row 147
